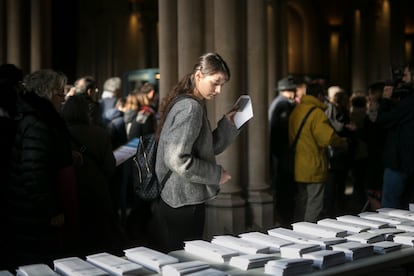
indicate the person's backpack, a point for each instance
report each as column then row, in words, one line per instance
column 147, row 186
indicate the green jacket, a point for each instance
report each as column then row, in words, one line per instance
column 311, row 162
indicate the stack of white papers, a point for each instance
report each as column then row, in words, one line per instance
column 405, row 238
column 354, row 250
column 149, row 258
column 34, row 270
column 274, row 243
column 289, row 267
column 240, row 245
column 326, row 258
column 383, row 218
column 385, row 247
column 183, row 268
column 297, row 250
column 405, row 227
column 298, row 237
column 366, row 237
column 74, row 266
column 350, row 227
column 113, row 264
column 387, row 233
column 210, row 251
column 399, row 213
column 208, row 272
column 363, row 221
column 250, row 261
column 318, row 230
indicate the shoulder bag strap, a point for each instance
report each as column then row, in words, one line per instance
column 295, row 141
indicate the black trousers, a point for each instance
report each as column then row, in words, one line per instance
column 179, row 224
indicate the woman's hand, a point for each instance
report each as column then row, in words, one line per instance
column 225, row 177
column 230, row 115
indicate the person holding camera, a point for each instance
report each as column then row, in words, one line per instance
column 396, row 116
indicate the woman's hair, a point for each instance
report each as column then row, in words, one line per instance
column 142, row 94
column 131, row 102
column 208, row 64
column 45, row 83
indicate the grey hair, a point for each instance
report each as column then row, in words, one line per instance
column 45, row 83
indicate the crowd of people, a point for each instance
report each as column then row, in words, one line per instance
column 64, row 194
column 61, row 190
column 361, row 139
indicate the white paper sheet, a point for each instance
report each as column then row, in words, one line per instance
column 244, row 110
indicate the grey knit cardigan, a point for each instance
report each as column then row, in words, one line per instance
column 187, row 147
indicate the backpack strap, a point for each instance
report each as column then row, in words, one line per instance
column 295, row 141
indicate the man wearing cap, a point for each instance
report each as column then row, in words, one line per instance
column 279, row 112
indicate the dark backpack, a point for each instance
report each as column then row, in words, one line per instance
column 147, row 186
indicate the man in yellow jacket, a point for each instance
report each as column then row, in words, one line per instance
column 311, row 162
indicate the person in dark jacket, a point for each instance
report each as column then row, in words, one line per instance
column 279, row 112
column 41, row 192
column 100, row 229
column 396, row 116
column 10, row 77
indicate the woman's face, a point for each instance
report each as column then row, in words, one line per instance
column 57, row 99
column 208, row 86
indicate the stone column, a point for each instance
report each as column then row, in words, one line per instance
column 168, row 45
column 359, row 80
column 226, row 214
column 271, row 53
column 190, row 34
column 277, row 44
column 259, row 198
column 14, row 32
column 40, row 32
column 3, row 39
column 383, row 36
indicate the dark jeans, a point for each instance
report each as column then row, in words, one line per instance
column 285, row 189
column 397, row 189
column 179, row 224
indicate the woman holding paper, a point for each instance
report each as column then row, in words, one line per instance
column 187, row 147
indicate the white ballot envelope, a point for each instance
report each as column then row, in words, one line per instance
column 244, row 109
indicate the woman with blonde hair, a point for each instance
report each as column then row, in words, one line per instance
column 145, row 121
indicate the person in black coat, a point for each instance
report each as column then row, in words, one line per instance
column 40, row 195
column 100, row 229
column 10, row 77
column 279, row 112
column 396, row 116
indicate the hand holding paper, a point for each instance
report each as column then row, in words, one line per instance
column 244, row 110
